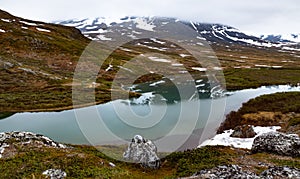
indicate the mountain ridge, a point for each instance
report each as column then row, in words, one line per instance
column 205, row 27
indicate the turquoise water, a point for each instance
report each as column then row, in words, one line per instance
column 118, row 121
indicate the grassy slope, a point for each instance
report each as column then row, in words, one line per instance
column 278, row 104
column 87, row 162
column 36, row 68
column 34, row 64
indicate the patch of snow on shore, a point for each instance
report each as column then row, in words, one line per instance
column 225, row 139
column 156, row 83
column 144, row 99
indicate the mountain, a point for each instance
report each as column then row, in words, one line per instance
column 37, row 59
column 214, row 33
column 282, row 38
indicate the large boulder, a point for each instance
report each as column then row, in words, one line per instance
column 9, row 141
column 142, row 151
column 244, row 131
column 277, row 143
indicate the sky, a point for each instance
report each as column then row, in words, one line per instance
column 255, row 16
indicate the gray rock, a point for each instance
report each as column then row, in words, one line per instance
column 244, row 131
column 277, row 143
column 25, row 138
column 281, row 172
column 55, row 174
column 142, row 151
column 235, row 172
column 225, row 171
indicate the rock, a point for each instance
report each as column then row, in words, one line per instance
column 111, row 164
column 55, row 174
column 24, row 139
column 281, row 172
column 244, row 131
column 235, row 171
column 142, row 151
column 277, row 143
column 225, row 171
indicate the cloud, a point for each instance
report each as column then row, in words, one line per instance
column 268, row 16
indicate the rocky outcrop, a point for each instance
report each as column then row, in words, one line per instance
column 235, row 171
column 225, row 171
column 277, row 143
column 142, row 151
column 8, row 139
column 244, row 131
column 55, row 174
column 281, row 172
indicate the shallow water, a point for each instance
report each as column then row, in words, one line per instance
column 118, row 121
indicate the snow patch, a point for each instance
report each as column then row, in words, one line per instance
column 144, row 99
column 184, row 55
column 1, row 30
column 156, row 59
column 125, row 49
column 101, row 31
column 102, row 37
column 109, row 67
column 289, row 48
column 156, row 83
column 43, row 30
column 225, row 139
column 143, row 24
column 5, row 20
column 199, row 68
column 157, row 41
column 177, row 64
column 154, row 48
column 91, row 27
column 29, row 23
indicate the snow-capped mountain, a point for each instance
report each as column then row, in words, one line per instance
column 110, row 29
column 100, row 28
column 282, row 38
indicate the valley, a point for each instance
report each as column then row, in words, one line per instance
column 37, row 71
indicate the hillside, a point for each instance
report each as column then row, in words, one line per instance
column 37, row 60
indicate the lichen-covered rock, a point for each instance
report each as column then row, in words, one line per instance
column 235, row 171
column 281, row 172
column 142, row 151
column 277, row 143
column 225, row 171
column 244, row 131
column 24, row 139
column 55, row 174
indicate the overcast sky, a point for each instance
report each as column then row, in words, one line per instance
column 255, row 16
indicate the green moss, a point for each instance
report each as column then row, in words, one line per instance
column 191, row 161
column 294, row 121
column 278, row 102
column 252, row 78
column 295, row 162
